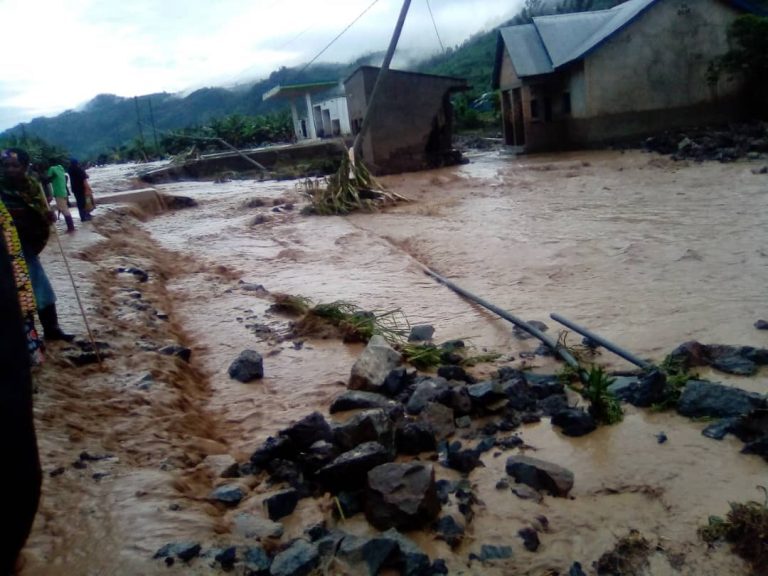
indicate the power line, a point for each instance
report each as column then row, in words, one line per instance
column 435, row 25
column 337, row 37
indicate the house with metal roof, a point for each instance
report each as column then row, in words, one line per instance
column 588, row 77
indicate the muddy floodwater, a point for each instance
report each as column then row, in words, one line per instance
column 645, row 251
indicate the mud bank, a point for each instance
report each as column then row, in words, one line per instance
column 645, row 251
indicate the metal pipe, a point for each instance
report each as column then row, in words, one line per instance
column 522, row 324
column 602, row 341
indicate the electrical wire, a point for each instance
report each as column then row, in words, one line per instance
column 337, row 37
column 435, row 26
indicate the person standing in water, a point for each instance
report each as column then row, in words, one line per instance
column 23, row 196
column 78, row 180
column 57, row 177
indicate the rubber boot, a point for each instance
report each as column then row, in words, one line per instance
column 70, row 223
column 50, row 321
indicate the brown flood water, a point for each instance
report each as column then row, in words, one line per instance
column 645, row 251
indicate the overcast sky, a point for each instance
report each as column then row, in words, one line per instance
column 58, row 55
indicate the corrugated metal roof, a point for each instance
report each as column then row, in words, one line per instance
column 569, row 37
column 525, row 46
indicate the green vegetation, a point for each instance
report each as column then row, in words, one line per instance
column 677, row 377
column 745, row 528
column 422, row 356
column 39, row 150
column 747, row 60
column 603, row 405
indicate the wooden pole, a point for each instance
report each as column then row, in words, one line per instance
column 358, row 145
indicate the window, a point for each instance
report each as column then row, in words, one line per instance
column 534, row 109
column 566, row 103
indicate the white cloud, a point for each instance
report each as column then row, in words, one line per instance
column 59, row 55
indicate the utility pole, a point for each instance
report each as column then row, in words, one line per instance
column 154, row 127
column 358, row 145
column 141, row 130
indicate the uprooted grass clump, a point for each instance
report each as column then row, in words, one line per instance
column 351, row 188
column 677, row 376
column 746, row 528
column 628, row 557
column 603, row 405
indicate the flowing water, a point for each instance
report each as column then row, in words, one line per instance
column 644, row 251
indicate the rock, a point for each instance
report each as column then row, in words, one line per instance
column 408, row 559
column 752, row 426
column 463, row 422
column 256, row 527
column 530, row 539
column 317, row 531
column 438, row 567
column 359, row 400
column 414, row 437
column 553, row 405
column 543, row 385
column 320, row 454
column 421, row 333
column 719, row 429
column 231, row 494
column 761, row 324
column 460, row 401
column 367, row 426
column 299, row 559
column 426, row 391
column 509, row 442
column 280, row 447
column 450, row 531
column 456, row 373
column 701, row 398
column 284, row 471
column 735, row 364
column 138, row 273
column 329, row 544
column 576, row 570
column 309, row 430
column 688, row 355
column 502, row 484
column 642, row 391
column 440, row 420
column 176, row 350
column 351, row 503
column 182, row 550
column 574, row 422
column 484, row 393
column 371, row 369
column 444, row 489
column 402, row 496
column 256, row 561
column 759, row 447
column 540, row 475
column 396, row 381
column 349, row 471
column 463, row 460
column 248, row 366
column 527, row 493
column 173, row 202
column 356, row 551
column 281, row 504
column 226, row 558
column 490, row 552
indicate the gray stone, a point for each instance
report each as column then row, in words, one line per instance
column 450, row 531
column 455, row 373
column 540, row 475
column 701, row 398
column 401, row 496
column 414, row 437
column 221, row 465
column 231, row 494
column 421, row 333
column 248, row 366
column 543, row 385
column 182, row 550
column 258, row 527
column 176, row 350
column 761, row 324
column 440, row 420
column 718, row 430
column 371, row 369
column 359, row 400
column 299, row 559
column 486, row 392
column 308, row 430
column 410, row 560
column 426, row 391
column 574, row 422
column 373, row 553
column 490, row 552
column 527, row 493
column 642, row 391
column 256, row 561
column 349, row 470
column 463, row 422
column 367, row 426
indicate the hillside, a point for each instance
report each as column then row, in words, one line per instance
column 109, row 121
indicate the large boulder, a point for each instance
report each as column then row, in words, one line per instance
column 371, row 369
column 248, row 366
column 359, row 400
column 308, row 430
column 574, row 422
column 701, row 398
column 367, row 426
column 642, row 391
column 299, row 559
column 540, row 475
column 426, row 391
column 401, row 496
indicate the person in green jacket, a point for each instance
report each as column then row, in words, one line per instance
column 57, row 177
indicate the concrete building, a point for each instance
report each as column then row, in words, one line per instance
column 327, row 117
column 576, row 79
column 413, row 124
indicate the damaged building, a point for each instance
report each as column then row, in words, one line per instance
column 638, row 68
column 412, row 126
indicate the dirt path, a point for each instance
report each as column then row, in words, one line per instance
column 647, row 252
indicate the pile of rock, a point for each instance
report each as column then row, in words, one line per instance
column 721, row 144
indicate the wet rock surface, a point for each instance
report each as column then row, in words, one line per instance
column 540, row 475
column 401, row 496
column 248, row 366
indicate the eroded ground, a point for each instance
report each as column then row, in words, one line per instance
column 645, row 251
